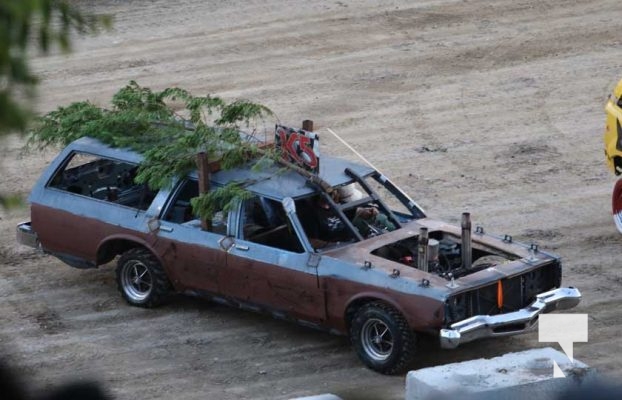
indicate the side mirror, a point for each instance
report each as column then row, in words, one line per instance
column 226, row 243
column 153, row 225
column 289, row 205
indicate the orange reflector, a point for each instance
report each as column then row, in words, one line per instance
column 499, row 295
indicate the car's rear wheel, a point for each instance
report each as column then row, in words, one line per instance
column 141, row 279
column 382, row 339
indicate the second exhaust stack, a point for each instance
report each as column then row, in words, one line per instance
column 466, row 240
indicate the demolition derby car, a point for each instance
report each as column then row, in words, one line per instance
column 613, row 149
column 359, row 259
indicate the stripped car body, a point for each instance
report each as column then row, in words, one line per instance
column 258, row 256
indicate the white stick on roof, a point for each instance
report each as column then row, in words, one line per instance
column 352, row 149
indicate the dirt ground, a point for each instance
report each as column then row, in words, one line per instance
column 470, row 105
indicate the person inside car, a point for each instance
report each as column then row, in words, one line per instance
column 370, row 221
column 321, row 223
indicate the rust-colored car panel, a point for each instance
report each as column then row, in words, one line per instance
column 372, row 267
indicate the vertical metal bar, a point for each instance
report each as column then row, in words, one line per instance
column 422, row 250
column 466, row 240
column 204, row 176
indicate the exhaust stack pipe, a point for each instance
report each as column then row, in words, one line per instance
column 422, row 250
column 466, row 240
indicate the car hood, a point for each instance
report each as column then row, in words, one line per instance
column 360, row 253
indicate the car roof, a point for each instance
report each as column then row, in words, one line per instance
column 277, row 182
column 273, row 181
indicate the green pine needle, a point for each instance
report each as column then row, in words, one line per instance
column 169, row 139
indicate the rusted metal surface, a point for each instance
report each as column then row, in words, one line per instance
column 422, row 249
column 466, row 240
column 320, row 288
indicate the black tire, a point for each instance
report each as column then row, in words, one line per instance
column 141, row 279
column 382, row 339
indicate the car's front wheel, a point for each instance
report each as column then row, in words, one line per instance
column 141, row 279
column 382, row 339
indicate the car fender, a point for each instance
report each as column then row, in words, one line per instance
column 370, row 296
column 101, row 247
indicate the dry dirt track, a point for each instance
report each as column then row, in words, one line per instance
column 490, row 107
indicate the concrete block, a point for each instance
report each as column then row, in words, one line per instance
column 513, row 376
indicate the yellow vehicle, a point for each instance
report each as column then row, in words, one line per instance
column 613, row 148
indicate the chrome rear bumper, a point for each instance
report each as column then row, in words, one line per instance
column 512, row 323
column 26, row 235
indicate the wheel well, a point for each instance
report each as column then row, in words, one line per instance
column 109, row 250
column 355, row 305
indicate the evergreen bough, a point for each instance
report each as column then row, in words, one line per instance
column 169, row 128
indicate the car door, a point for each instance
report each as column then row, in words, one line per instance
column 192, row 256
column 267, row 265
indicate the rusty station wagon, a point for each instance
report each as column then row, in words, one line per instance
column 381, row 285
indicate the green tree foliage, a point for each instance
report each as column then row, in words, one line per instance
column 169, row 128
column 26, row 25
column 32, row 23
column 10, row 201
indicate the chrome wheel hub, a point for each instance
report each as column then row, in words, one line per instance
column 136, row 280
column 377, row 339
